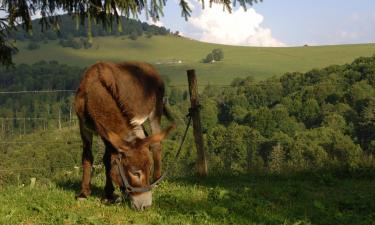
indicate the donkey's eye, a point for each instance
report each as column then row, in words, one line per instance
column 136, row 173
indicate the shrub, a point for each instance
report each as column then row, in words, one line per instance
column 148, row 35
column 33, row 45
column 133, row 36
column 71, row 43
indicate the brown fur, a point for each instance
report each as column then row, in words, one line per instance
column 109, row 97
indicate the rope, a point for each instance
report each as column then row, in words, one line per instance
column 181, row 143
column 184, row 136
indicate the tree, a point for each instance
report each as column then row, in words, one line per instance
column 214, row 55
column 209, row 58
column 218, row 54
column 227, row 142
column 103, row 12
column 311, row 113
column 277, row 159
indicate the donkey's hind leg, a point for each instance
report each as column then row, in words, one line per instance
column 87, row 162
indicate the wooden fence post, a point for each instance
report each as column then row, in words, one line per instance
column 197, row 128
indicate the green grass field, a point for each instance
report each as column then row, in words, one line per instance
column 250, row 199
column 238, row 61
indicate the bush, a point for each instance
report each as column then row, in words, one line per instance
column 86, row 44
column 148, row 35
column 33, row 45
column 133, row 36
column 71, row 43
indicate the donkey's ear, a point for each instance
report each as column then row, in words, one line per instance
column 159, row 136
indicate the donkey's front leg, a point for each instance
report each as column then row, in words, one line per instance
column 156, row 147
column 108, row 188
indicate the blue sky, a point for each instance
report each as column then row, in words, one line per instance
column 279, row 23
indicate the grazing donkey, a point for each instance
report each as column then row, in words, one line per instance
column 114, row 100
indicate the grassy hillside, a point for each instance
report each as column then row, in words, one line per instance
column 322, row 199
column 238, row 61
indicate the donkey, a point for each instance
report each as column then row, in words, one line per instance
column 114, row 100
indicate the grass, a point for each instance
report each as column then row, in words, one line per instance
column 246, row 199
column 238, row 61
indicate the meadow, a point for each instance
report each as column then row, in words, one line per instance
column 258, row 62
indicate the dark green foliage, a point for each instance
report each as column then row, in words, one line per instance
column 218, row 54
column 322, row 118
column 133, row 35
column 215, row 55
column 149, row 35
column 33, row 45
column 209, row 58
column 228, row 144
column 75, row 43
column 72, row 43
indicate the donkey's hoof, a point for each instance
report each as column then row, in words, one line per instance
column 112, row 199
column 81, row 197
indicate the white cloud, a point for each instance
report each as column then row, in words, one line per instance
column 156, row 23
column 238, row 28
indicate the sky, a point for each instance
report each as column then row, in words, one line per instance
column 278, row 23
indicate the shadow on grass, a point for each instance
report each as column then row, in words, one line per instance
column 318, row 177
column 75, row 186
column 319, row 197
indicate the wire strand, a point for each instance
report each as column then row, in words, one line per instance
column 171, row 86
column 35, row 91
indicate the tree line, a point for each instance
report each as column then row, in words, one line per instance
column 72, row 33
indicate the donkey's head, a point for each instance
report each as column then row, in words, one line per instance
column 131, row 168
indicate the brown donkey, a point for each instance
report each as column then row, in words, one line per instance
column 114, row 100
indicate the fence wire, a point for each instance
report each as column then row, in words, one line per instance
column 171, row 86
